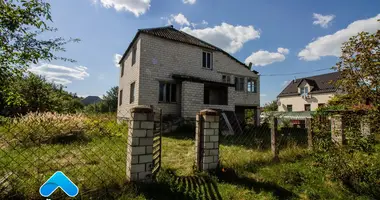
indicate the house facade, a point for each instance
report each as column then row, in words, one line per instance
column 307, row 94
column 169, row 69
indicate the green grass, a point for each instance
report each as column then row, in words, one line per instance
column 98, row 167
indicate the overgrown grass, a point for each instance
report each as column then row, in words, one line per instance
column 97, row 166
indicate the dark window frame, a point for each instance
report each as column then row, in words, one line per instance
column 132, row 92
column 239, row 83
column 307, row 105
column 226, row 78
column 207, row 60
column 120, row 97
column 289, row 106
column 251, row 85
column 170, row 88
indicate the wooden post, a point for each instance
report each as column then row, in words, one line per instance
column 309, row 133
column 274, row 141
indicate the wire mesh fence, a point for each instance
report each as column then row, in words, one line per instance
column 89, row 149
column 248, row 135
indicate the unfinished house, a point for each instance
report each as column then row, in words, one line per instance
column 181, row 74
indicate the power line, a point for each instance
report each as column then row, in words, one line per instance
column 295, row 73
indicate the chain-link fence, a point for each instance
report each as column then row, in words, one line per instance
column 250, row 136
column 89, row 149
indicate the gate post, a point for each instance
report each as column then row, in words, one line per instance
column 140, row 144
column 365, row 126
column 274, row 140
column 207, row 140
column 309, row 129
column 337, row 129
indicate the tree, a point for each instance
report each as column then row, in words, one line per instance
column 360, row 71
column 110, row 99
column 21, row 24
column 271, row 106
column 42, row 96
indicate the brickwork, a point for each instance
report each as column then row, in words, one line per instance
column 160, row 58
column 207, row 140
column 131, row 74
column 140, row 143
column 337, row 129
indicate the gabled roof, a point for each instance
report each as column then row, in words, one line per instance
column 170, row 33
column 322, row 84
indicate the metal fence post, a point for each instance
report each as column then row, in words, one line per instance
column 274, row 141
column 308, row 124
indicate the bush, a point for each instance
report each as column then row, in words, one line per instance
column 46, row 128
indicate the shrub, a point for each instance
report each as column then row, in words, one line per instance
column 46, row 128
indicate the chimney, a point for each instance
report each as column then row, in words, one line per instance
column 250, row 65
column 295, row 80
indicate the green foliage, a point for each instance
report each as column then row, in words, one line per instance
column 355, row 163
column 271, row 106
column 39, row 95
column 21, row 24
column 108, row 103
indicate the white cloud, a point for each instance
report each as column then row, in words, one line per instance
column 60, row 74
column 179, row 19
column 282, row 50
column 262, row 58
column 204, row 22
column 137, row 7
column 189, row 1
column 116, row 59
column 227, row 37
column 330, row 45
column 323, row 20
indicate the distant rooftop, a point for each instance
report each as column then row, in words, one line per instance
column 322, row 84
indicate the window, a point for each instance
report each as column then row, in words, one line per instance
column 304, row 90
column 307, row 107
column 207, row 60
column 122, row 68
column 321, row 105
column 167, row 92
column 215, row 95
column 251, row 85
column 121, row 97
column 133, row 55
column 132, row 93
column 289, row 108
column 226, row 79
column 239, row 84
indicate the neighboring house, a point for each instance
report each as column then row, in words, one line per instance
column 181, row 74
column 307, row 94
column 91, row 100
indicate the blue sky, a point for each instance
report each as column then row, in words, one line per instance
column 278, row 37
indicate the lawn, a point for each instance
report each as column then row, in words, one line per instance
column 98, row 168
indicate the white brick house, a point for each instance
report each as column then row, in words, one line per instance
column 181, row 74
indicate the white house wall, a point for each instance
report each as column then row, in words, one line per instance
column 298, row 103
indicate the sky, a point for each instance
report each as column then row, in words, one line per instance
column 283, row 39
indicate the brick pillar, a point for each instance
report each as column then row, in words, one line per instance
column 337, row 129
column 365, row 126
column 308, row 124
column 274, row 140
column 140, row 144
column 207, row 140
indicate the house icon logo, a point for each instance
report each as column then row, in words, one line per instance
column 59, row 180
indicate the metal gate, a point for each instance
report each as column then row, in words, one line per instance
column 157, row 141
